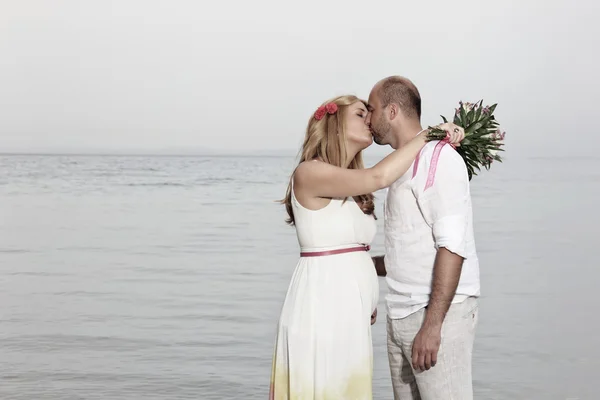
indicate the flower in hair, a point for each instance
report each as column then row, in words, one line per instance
column 320, row 113
column 329, row 108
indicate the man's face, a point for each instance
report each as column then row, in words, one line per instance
column 376, row 120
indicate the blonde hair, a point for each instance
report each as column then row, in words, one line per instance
column 325, row 140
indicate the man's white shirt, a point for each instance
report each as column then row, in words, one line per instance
column 419, row 221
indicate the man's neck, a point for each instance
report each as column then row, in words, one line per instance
column 408, row 133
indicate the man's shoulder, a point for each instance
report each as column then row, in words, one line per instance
column 444, row 153
column 442, row 162
column 443, row 148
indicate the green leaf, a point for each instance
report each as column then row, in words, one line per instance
column 473, row 128
column 479, row 109
column 463, row 116
column 470, row 116
column 478, row 125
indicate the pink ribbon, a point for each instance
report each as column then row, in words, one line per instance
column 434, row 162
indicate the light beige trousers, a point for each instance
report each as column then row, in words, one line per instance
column 451, row 377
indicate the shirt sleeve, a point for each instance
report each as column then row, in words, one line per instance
column 445, row 205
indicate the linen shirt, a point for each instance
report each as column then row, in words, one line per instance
column 419, row 221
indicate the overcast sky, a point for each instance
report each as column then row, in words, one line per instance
column 241, row 76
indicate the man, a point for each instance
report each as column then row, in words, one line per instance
column 430, row 261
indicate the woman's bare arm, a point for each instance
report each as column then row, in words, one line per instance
column 320, row 179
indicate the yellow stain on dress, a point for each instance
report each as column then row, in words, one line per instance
column 358, row 386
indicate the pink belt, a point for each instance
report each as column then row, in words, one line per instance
column 336, row 251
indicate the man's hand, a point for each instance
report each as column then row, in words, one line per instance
column 426, row 346
column 374, row 317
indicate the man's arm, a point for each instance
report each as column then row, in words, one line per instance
column 379, row 264
column 446, row 274
column 445, row 208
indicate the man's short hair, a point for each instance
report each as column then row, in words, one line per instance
column 399, row 90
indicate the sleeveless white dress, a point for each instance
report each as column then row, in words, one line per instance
column 323, row 348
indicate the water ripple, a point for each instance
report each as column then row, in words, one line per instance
column 163, row 277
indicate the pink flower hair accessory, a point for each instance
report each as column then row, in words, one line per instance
column 329, row 108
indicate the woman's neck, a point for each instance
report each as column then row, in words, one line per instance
column 350, row 156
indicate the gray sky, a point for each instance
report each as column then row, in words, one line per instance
column 241, row 76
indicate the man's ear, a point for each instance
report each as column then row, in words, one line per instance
column 394, row 111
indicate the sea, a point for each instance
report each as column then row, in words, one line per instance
column 162, row 277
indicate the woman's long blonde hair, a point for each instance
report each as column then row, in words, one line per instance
column 325, row 140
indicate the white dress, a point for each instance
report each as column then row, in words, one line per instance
column 323, row 348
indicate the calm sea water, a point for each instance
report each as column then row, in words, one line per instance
column 162, row 278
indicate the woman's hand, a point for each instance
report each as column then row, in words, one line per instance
column 455, row 133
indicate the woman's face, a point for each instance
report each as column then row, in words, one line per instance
column 357, row 130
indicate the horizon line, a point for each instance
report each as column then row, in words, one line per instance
column 157, row 153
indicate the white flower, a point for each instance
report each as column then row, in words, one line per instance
column 497, row 138
column 499, row 135
column 468, row 106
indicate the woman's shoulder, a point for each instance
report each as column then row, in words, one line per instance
column 306, row 168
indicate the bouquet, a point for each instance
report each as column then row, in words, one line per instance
column 483, row 137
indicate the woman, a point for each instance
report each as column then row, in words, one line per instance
column 323, row 348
